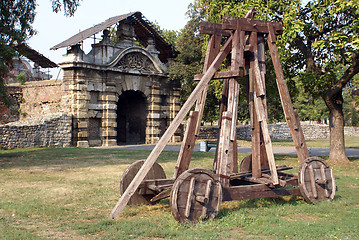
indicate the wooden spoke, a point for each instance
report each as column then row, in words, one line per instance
column 316, row 180
column 156, row 172
column 196, row 194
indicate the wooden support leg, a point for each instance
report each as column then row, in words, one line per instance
column 267, row 141
column 254, row 73
column 222, row 109
column 224, row 156
column 292, row 121
column 256, row 154
column 185, row 154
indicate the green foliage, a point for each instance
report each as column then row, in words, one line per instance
column 309, row 107
column 69, row 7
column 16, row 17
column 189, row 60
column 351, row 102
column 21, row 78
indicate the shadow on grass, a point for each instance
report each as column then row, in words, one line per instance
column 65, row 158
column 260, row 203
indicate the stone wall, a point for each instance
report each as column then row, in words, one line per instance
column 48, row 131
column 281, row 131
column 44, row 97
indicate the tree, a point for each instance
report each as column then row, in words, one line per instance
column 16, row 18
column 328, row 46
column 189, row 62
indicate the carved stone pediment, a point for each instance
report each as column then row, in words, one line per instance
column 136, row 62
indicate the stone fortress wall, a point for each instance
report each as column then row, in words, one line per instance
column 52, row 130
column 280, row 131
column 55, row 130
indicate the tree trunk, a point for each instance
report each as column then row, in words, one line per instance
column 334, row 101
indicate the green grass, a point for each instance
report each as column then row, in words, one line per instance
column 68, row 193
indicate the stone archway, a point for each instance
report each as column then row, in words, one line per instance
column 131, row 117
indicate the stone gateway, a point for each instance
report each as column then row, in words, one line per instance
column 119, row 92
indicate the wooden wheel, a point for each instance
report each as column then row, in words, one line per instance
column 156, row 172
column 196, row 194
column 246, row 164
column 316, row 180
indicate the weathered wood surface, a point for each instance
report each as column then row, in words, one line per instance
column 222, row 75
column 253, row 88
column 171, row 130
column 316, row 180
column 155, row 172
column 213, row 49
column 185, row 154
column 224, row 161
column 213, row 29
column 250, row 25
column 249, row 173
column 294, row 125
column 196, row 194
column 266, row 138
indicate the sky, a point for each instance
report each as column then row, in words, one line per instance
column 53, row 28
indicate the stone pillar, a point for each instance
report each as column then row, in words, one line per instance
column 174, row 109
column 81, row 112
column 109, row 123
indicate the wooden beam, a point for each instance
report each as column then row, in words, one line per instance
column 213, row 29
column 251, row 25
column 224, row 155
column 292, row 121
column 185, row 154
column 222, row 75
column 266, row 138
column 151, row 159
column 213, row 47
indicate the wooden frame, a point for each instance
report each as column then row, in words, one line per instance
column 262, row 178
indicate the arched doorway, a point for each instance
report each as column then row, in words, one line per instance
column 131, row 117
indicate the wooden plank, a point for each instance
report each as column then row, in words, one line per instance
column 207, row 196
column 151, row 159
column 312, row 181
column 156, row 182
column 256, row 167
column 190, row 197
column 237, row 49
column 222, row 75
column 266, row 138
column 262, row 68
column 224, row 156
column 250, row 25
column 256, row 137
column 222, row 108
column 294, row 125
column 185, row 154
column 300, row 144
column 213, row 29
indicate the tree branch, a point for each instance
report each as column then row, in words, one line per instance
column 348, row 75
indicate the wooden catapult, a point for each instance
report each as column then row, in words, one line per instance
column 197, row 193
